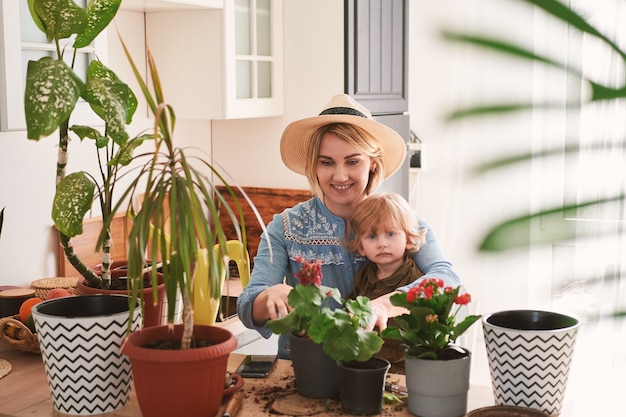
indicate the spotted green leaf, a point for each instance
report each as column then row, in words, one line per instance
column 60, row 18
column 73, row 198
column 52, row 90
column 99, row 15
column 110, row 99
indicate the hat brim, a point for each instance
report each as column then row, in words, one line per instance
column 296, row 136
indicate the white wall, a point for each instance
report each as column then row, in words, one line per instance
column 459, row 205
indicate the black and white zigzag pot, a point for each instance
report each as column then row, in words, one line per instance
column 80, row 340
column 530, row 353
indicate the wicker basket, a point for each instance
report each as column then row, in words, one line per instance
column 43, row 286
column 17, row 335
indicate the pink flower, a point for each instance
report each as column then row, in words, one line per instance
column 463, row 299
column 431, row 324
column 432, row 318
column 412, row 293
column 310, row 272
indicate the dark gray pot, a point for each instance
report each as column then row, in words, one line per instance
column 438, row 388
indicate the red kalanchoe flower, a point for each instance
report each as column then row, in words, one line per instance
column 412, row 293
column 431, row 324
column 463, row 299
column 310, row 272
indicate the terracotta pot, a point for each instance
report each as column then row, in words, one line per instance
column 80, row 340
column 186, row 383
column 152, row 314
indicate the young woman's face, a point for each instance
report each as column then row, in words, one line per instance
column 384, row 246
column 343, row 173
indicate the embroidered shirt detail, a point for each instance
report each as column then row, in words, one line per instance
column 309, row 228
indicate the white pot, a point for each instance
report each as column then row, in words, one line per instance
column 80, row 340
column 529, row 354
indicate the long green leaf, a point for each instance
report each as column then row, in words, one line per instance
column 571, row 17
column 499, row 109
column 558, row 151
column 507, row 48
column 516, row 233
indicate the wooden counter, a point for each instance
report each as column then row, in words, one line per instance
column 24, row 391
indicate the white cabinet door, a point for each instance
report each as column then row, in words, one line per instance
column 220, row 64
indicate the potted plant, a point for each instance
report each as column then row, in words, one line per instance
column 322, row 322
column 437, row 370
column 178, row 222
column 52, row 84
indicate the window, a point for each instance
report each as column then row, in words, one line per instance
column 22, row 41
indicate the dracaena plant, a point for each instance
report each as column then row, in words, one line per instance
column 341, row 331
column 182, row 194
column 52, row 92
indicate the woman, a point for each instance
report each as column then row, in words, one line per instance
column 345, row 155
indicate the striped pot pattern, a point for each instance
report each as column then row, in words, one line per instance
column 529, row 354
column 80, row 340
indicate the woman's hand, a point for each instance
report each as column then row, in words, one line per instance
column 271, row 304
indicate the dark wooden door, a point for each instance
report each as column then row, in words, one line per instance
column 376, row 60
column 376, row 66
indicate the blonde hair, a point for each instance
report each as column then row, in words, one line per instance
column 388, row 210
column 355, row 136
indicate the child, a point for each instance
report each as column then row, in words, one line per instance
column 386, row 231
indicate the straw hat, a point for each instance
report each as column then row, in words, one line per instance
column 341, row 109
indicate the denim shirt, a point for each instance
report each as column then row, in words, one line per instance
column 311, row 231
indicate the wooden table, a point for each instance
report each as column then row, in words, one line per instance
column 24, row 391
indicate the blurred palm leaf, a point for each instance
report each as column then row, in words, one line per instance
column 514, row 233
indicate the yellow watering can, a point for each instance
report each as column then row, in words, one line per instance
column 206, row 307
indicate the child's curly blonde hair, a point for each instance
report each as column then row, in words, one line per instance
column 389, row 210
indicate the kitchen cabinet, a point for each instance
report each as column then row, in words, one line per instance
column 220, row 63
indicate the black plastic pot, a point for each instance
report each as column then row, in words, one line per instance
column 361, row 386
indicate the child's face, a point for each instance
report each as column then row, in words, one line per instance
column 384, row 245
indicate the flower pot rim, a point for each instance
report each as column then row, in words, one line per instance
column 467, row 354
column 134, row 349
column 569, row 322
column 384, row 363
column 80, row 299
